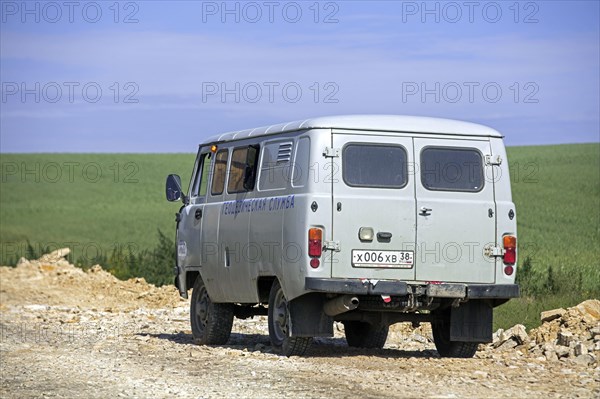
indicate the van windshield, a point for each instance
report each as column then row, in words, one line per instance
column 367, row 165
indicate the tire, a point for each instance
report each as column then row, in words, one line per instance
column 279, row 322
column 211, row 322
column 447, row 348
column 364, row 335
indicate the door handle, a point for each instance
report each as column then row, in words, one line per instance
column 198, row 214
column 425, row 211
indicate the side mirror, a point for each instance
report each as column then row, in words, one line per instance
column 250, row 169
column 173, row 188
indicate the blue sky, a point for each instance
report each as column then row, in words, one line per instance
column 156, row 76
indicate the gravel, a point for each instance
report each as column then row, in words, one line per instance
column 66, row 333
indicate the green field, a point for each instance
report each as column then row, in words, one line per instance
column 89, row 202
column 96, row 203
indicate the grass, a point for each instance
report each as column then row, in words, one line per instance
column 92, row 203
column 556, row 190
column 58, row 200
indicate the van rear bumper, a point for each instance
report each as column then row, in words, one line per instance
column 402, row 288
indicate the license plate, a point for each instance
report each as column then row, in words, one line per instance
column 391, row 259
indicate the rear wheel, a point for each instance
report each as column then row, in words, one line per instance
column 364, row 335
column 279, row 325
column 211, row 322
column 447, row 348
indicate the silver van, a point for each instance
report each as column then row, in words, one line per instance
column 368, row 220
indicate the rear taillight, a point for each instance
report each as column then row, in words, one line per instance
column 510, row 250
column 315, row 242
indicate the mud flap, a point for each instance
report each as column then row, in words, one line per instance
column 180, row 282
column 472, row 322
column 307, row 317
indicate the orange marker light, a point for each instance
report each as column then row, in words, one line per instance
column 213, row 148
column 509, row 241
column 315, row 234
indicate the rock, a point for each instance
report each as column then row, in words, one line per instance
column 580, row 349
column 589, row 345
column 519, row 333
column 562, row 351
column 590, row 308
column 549, row 346
column 508, row 344
column 55, row 256
column 37, row 308
column 419, row 338
column 536, row 351
column 551, row 355
column 550, row 315
column 565, row 338
column 583, row 360
column 95, row 269
column 23, row 262
column 496, row 336
column 480, row 374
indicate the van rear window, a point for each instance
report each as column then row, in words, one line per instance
column 451, row 169
column 368, row 165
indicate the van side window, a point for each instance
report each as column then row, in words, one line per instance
column 202, row 177
column 367, row 165
column 198, row 175
column 301, row 162
column 219, row 174
column 242, row 170
column 205, row 178
column 275, row 166
column 451, row 169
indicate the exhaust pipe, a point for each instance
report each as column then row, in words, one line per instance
column 340, row 304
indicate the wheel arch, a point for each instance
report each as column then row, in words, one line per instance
column 263, row 287
column 190, row 278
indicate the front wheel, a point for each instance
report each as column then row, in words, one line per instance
column 279, row 325
column 447, row 348
column 211, row 322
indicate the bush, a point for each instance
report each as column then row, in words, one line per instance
column 539, row 282
column 154, row 265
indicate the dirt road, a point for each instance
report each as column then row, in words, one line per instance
column 70, row 333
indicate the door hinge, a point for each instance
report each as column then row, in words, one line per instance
column 493, row 159
column 332, row 246
column 493, row 251
column 331, row 152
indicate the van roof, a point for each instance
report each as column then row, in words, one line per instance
column 374, row 123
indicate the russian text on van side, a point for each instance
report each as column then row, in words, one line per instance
column 269, row 204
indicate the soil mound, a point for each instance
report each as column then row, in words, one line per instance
column 52, row 280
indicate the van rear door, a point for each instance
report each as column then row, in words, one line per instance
column 456, row 211
column 373, row 206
